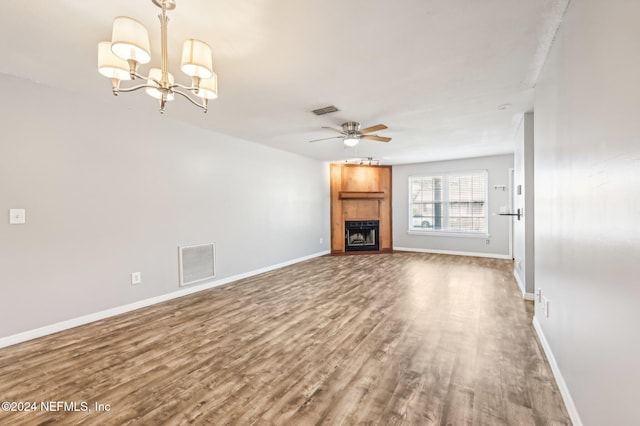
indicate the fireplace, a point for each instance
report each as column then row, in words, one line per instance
column 361, row 235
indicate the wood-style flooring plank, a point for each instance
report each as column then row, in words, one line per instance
column 390, row 339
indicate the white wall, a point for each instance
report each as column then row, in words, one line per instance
column 498, row 169
column 109, row 191
column 587, row 211
column 523, row 229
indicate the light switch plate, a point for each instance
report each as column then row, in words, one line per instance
column 17, row 217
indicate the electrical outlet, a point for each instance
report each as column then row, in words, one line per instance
column 17, row 217
column 539, row 295
column 487, row 242
column 136, row 278
column 321, row 240
column 545, row 304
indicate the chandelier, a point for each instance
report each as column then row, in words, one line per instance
column 119, row 59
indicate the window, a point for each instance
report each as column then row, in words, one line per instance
column 451, row 203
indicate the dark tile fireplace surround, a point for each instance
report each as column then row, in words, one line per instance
column 361, row 235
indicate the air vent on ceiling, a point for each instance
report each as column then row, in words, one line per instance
column 325, row 110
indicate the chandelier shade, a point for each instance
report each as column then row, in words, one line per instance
column 153, row 88
column 208, row 88
column 130, row 40
column 129, row 47
column 110, row 65
column 196, row 59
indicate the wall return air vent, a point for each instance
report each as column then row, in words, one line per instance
column 197, row 263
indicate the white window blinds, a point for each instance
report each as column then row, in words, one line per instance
column 455, row 202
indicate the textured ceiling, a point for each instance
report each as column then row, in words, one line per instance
column 434, row 72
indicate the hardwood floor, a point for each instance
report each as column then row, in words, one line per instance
column 401, row 338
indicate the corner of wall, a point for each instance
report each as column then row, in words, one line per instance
column 521, row 286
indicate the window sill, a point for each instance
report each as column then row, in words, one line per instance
column 449, row 234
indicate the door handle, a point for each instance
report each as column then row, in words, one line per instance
column 517, row 214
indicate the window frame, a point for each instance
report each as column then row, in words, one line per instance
column 446, row 204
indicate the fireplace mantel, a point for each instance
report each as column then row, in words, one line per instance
column 360, row 193
column 356, row 195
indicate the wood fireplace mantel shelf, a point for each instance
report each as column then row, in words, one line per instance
column 361, row 195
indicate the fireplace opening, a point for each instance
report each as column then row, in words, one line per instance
column 361, row 235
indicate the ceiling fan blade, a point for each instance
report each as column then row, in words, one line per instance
column 373, row 128
column 335, row 130
column 375, row 138
column 324, row 139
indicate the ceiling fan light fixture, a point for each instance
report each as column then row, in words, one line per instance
column 351, row 133
column 351, row 141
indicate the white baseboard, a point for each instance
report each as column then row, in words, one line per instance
column 525, row 295
column 86, row 319
column 456, row 253
column 562, row 385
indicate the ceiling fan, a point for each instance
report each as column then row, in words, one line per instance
column 351, row 133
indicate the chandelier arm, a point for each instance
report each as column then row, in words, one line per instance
column 133, row 89
column 142, row 77
column 182, row 86
column 190, row 100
